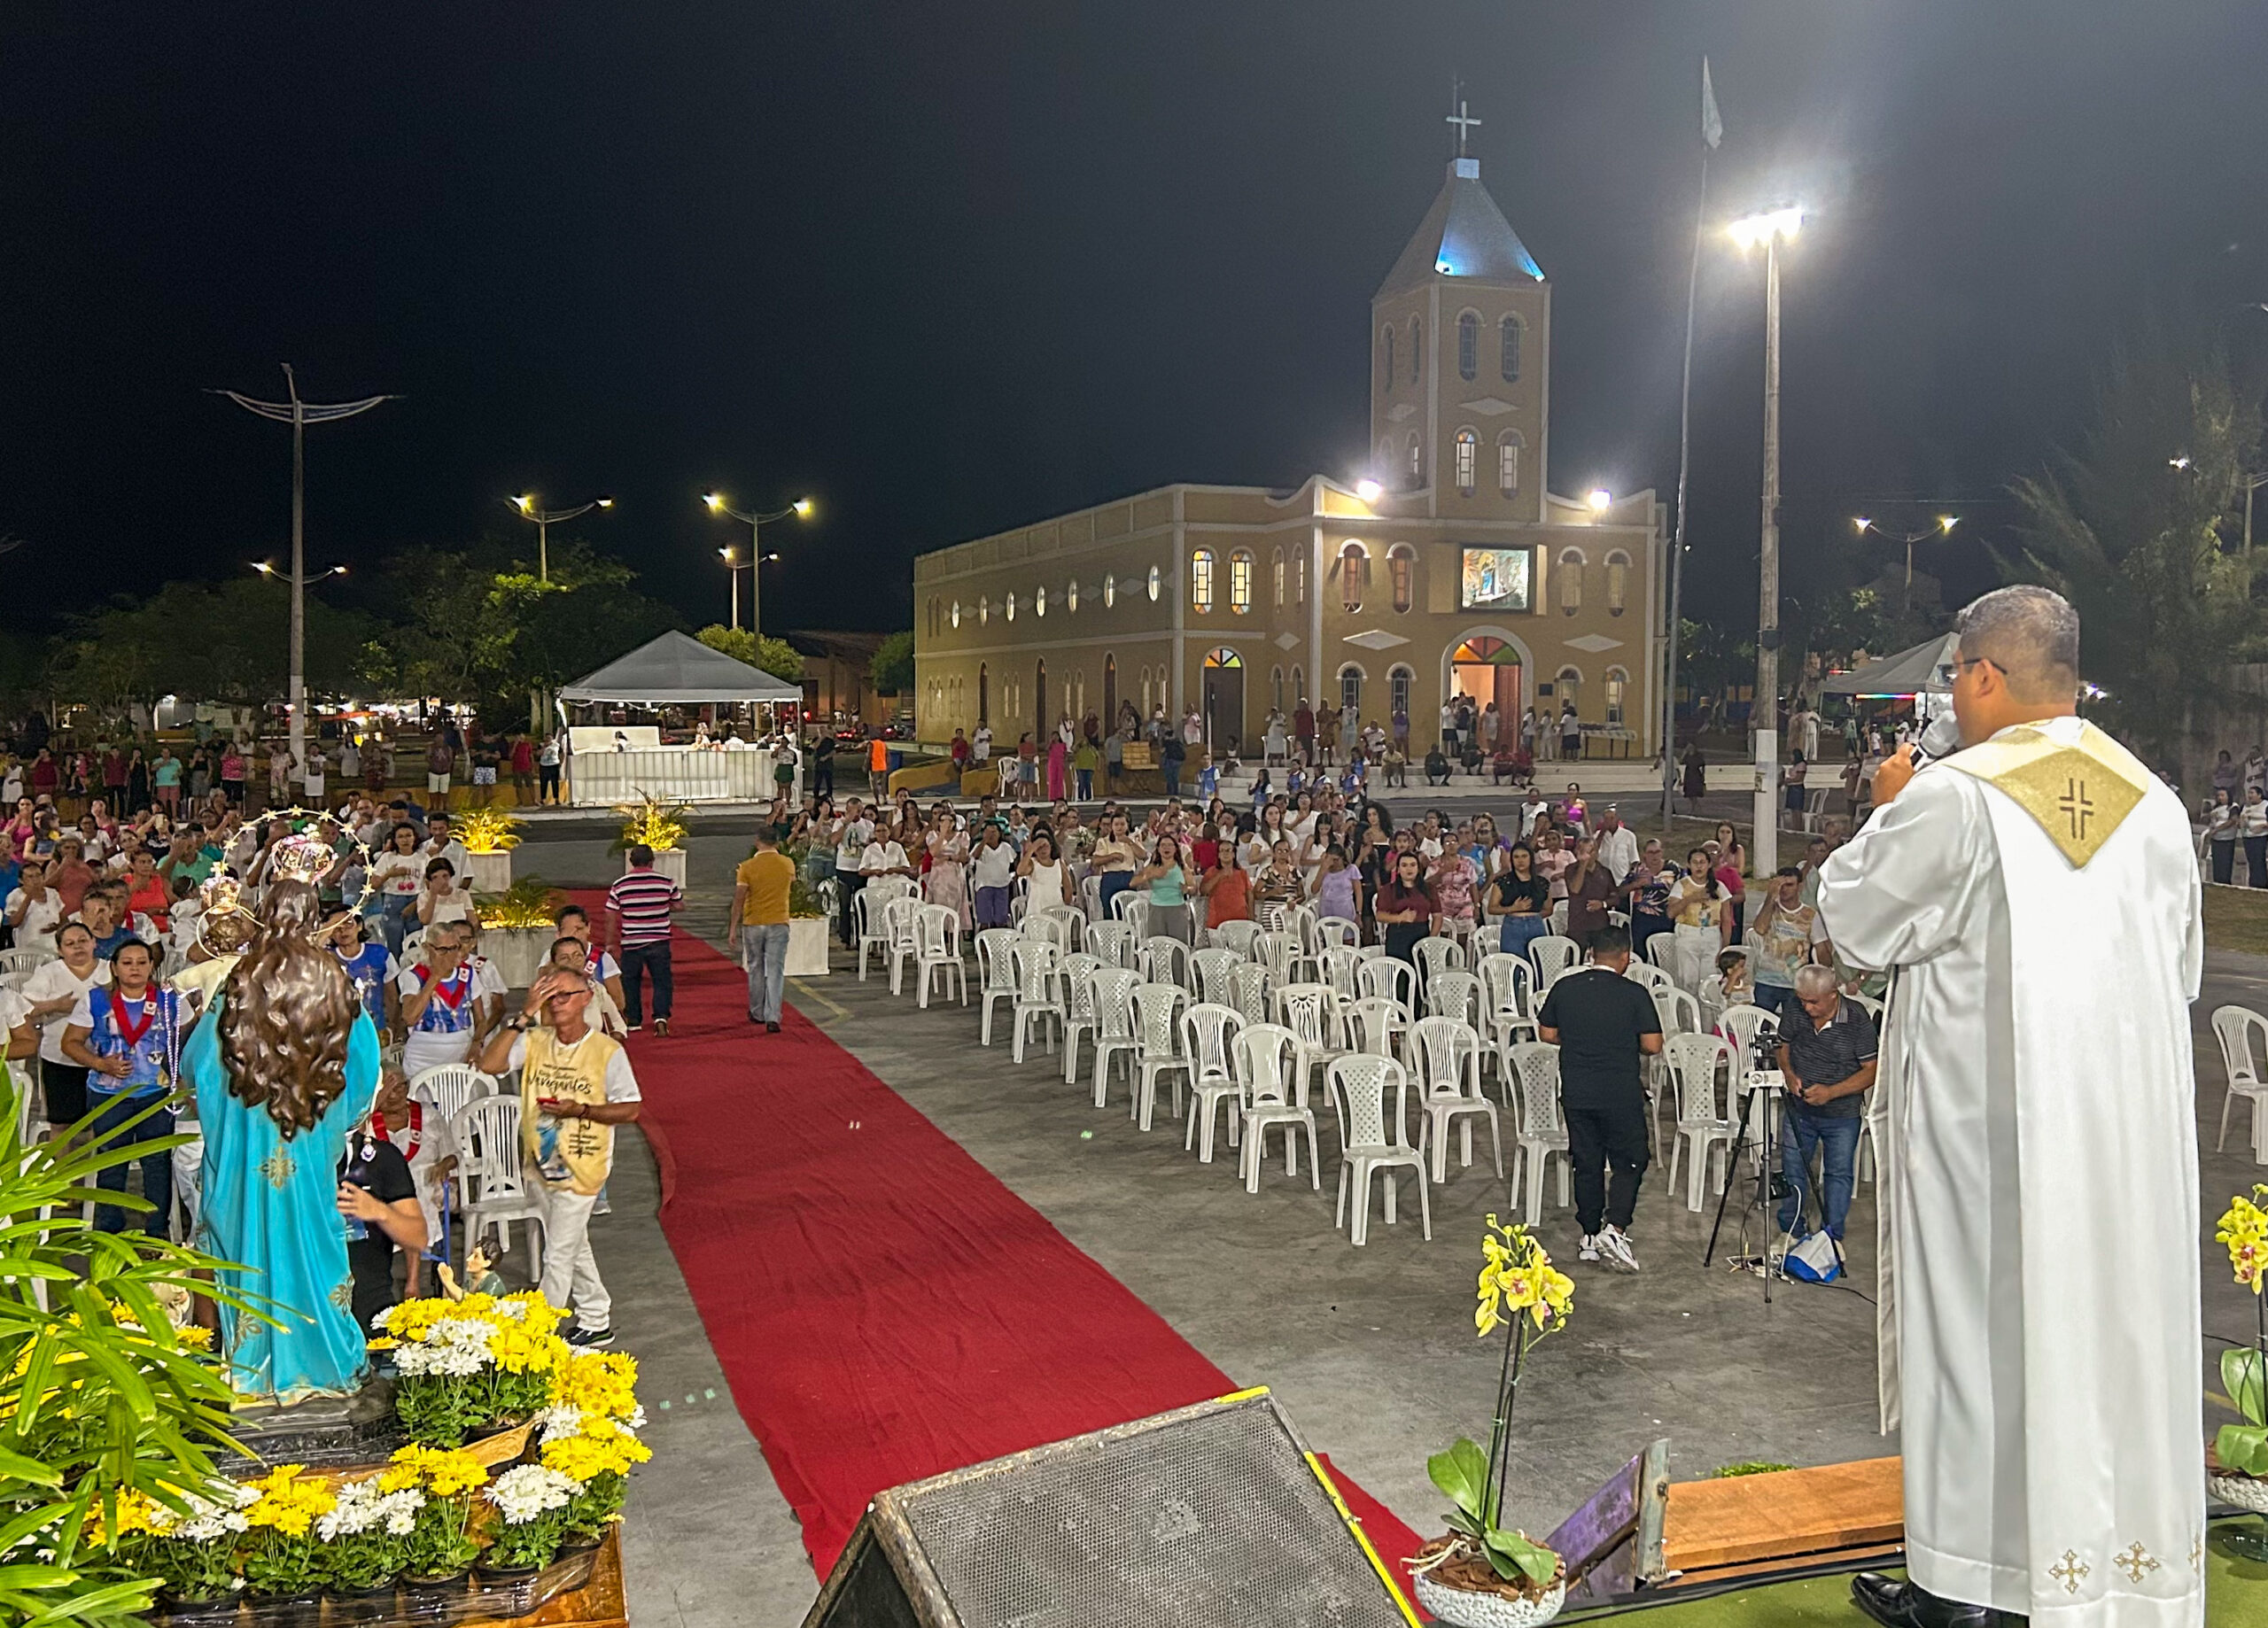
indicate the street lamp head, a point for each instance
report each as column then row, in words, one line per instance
column 1945, row 524
column 725, row 555
column 714, row 500
column 1752, row 229
column 605, row 502
column 1368, row 490
column 524, row 502
column 263, row 568
column 1601, row 500
column 2181, row 462
column 771, row 558
column 1861, row 523
column 803, row 507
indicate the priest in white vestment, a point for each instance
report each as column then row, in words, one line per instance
column 2036, row 894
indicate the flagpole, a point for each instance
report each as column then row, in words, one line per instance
column 1709, row 129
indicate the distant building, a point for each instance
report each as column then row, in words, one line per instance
column 837, row 675
column 1463, row 573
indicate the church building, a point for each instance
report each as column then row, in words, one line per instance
column 1449, row 567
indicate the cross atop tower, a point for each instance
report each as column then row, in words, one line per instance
column 1465, row 122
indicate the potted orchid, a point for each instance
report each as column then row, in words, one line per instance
column 2238, row 1473
column 1482, row 1574
column 367, row 1535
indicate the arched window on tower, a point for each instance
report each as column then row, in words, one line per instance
column 1468, row 344
column 1399, row 681
column 1402, row 567
column 1617, row 583
column 1200, row 580
column 1617, row 682
column 1279, row 579
column 1508, row 462
column 1570, row 686
column 1417, row 349
column 1350, row 688
column 1417, row 476
column 1386, row 361
column 1468, row 455
column 1507, row 338
column 1571, row 581
column 1241, row 582
column 1353, row 565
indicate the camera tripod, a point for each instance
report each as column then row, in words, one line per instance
column 1771, row 1186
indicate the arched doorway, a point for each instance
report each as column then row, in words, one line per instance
column 1109, row 691
column 1223, row 696
column 984, row 692
column 1040, row 726
column 1487, row 669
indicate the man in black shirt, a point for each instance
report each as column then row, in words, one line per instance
column 1603, row 1023
column 1828, row 1058
column 377, row 1198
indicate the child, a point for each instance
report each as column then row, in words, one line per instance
column 1208, row 779
column 1740, row 989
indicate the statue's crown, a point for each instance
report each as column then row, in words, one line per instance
column 303, row 858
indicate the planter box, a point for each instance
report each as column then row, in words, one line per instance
column 491, row 872
column 807, row 947
column 669, row 862
column 517, row 952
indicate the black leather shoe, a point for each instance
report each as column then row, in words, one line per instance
column 1895, row 1603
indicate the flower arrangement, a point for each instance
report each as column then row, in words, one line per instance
column 484, row 1360
column 531, row 902
column 2243, row 1229
column 1522, row 1293
column 367, row 1533
column 488, row 830
column 280, row 1556
column 652, row 823
column 590, row 1435
column 191, row 1548
column 441, row 1542
column 532, row 1503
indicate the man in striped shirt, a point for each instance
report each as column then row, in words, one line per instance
column 638, row 909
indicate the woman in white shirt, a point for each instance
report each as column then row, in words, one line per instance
column 54, row 990
column 991, row 873
column 34, row 909
column 1048, row 879
column 397, row 875
column 441, row 900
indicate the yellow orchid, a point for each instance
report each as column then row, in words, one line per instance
column 2243, row 1228
column 1516, row 1276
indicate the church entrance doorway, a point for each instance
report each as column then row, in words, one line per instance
column 1039, row 724
column 984, row 692
column 1223, row 697
column 1488, row 669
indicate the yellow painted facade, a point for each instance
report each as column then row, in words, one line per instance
column 1464, row 574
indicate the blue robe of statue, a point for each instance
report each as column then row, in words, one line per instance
column 272, row 1205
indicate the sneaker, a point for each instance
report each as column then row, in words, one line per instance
column 772, row 1028
column 633, row 1028
column 580, row 1336
column 662, row 1027
column 1614, row 1247
column 1589, row 1251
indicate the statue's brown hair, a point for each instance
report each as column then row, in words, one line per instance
column 289, row 1010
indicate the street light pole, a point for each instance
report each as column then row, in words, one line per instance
column 299, row 414
column 1764, row 849
column 525, row 506
column 755, row 522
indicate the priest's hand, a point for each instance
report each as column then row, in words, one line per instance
column 1896, row 769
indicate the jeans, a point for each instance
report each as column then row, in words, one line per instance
column 570, row 1273
column 548, row 782
column 1837, row 1141
column 1606, row 1135
column 1173, row 777
column 1776, row 999
column 1114, row 883
column 638, row 960
column 1086, row 784
column 764, row 951
column 2225, row 861
column 1516, row 933
column 2256, row 861
column 848, row 883
column 394, row 918
column 156, row 1168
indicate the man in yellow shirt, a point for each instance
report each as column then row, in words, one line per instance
column 759, row 921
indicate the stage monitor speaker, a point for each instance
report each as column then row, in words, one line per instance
column 1209, row 1517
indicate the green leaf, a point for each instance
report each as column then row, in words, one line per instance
column 1461, row 1473
column 2243, row 1447
column 1535, row 1562
column 2240, row 1373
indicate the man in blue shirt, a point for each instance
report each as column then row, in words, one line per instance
column 127, row 1037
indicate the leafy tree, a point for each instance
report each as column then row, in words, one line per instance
column 2134, row 529
column 775, row 657
column 892, row 667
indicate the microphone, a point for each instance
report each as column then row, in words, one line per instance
column 1941, row 739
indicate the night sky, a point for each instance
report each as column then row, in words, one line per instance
column 949, row 269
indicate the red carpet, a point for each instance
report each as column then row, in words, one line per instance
column 883, row 1307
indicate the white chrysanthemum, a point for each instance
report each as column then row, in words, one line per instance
column 560, row 1421
column 207, row 1520
column 470, row 1331
column 516, row 1311
column 523, row 1494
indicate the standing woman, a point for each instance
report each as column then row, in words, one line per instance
column 2253, row 825
column 55, row 989
column 1167, row 877
column 2221, row 822
column 396, row 875
column 992, row 868
column 1405, row 907
column 1113, row 859
column 949, row 865
column 1059, row 756
column 1703, row 919
column 1732, row 870
column 1519, row 901
column 1047, row 879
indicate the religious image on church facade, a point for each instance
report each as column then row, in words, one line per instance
column 1447, row 567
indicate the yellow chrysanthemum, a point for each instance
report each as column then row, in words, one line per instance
column 443, row 1472
column 584, row 1459
column 599, row 1381
column 288, row 1503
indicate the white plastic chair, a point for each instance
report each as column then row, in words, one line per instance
column 1133, row 909
column 16, row 965
column 1164, row 960
column 446, row 1088
column 1112, row 988
column 1091, row 897
column 1339, row 969
column 1157, row 1022
column 1337, row 933
column 1114, row 944
column 1741, row 1024
column 1235, row 935
column 1265, row 1056
column 1376, row 1026
column 1652, row 977
column 1679, row 1010
column 1276, row 951
column 1066, row 918
column 996, row 974
column 1209, row 1034
column 1250, row 989
column 1079, row 1008
column 1213, row 972
column 1661, row 953
column 496, row 1190
column 936, row 953
column 1310, row 1010
column 1388, row 978
column 1048, row 927
column 1438, row 955
column 870, row 923
column 1507, row 1000
column 1704, row 1110
column 1368, row 1145
column 1453, row 994
column 1445, row 1053
column 2233, row 1027
column 1553, row 956
column 1534, row 1068
column 1039, row 993
column 901, row 917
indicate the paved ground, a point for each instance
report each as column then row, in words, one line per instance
column 1372, row 1351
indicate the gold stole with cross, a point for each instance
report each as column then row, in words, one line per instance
column 2078, row 793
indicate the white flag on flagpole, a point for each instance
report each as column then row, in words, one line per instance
column 1712, row 128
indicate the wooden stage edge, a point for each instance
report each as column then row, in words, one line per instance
column 1741, row 1526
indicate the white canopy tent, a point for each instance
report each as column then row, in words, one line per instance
column 1925, row 670
column 671, row 671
